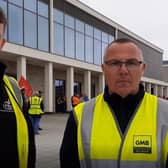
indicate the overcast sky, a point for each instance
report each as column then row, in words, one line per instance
column 146, row 18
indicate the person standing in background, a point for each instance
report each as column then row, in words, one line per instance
column 75, row 99
column 41, row 106
column 25, row 102
column 35, row 111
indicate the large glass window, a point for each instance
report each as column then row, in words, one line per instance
column 80, row 46
column 15, row 24
column 97, row 52
column 43, row 7
column 89, row 49
column 105, row 37
column 89, row 30
column 111, row 38
column 69, row 21
column 43, row 34
column 58, row 39
column 60, row 95
column 30, row 5
column 97, row 34
column 77, row 88
column 79, row 26
column 58, row 16
column 72, row 37
column 69, row 43
column 60, row 87
column 104, row 45
column 30, row 29
column 17, row 2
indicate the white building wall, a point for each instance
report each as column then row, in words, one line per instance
column 35, row 76
column 69, row 86
column 21, row 67
column 48, row 89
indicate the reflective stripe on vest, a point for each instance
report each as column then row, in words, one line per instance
column 139, row 147
column 22, row 129
column 35, row 108
column 162, row 134
column 16, row 90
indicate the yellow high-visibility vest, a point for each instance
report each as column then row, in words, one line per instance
column 101, row 143
column 22, row 128
column 35, row 108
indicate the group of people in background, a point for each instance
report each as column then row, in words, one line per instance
column 61, row 104
column 78, row 98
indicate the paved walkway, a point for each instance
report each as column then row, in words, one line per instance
column 49, row 140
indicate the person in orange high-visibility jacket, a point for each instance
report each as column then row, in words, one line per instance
column 124, row 127
column 75, row 99
column 17, row 145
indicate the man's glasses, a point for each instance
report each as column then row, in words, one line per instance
column 131, row 64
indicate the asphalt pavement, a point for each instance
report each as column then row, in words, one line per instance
column 49, row 140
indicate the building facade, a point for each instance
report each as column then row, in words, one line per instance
column 58, row 46
column 165, row 70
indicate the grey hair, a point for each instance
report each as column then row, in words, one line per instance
column 122, row 41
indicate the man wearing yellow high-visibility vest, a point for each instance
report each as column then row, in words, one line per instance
column 35, row 111
column 17, row 145
column 124, row 127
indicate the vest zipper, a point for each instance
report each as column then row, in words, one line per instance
column 121, row 135
column 125, row 132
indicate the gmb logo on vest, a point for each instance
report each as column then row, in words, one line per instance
column 142, row 144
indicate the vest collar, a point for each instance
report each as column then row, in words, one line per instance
column 123, row 108
column 115, row 99
column 2, row 71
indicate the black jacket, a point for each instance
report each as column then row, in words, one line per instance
column 123, row 109
column 8, row 131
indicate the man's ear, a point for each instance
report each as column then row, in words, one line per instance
column 2, row 43
column 143, row 68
